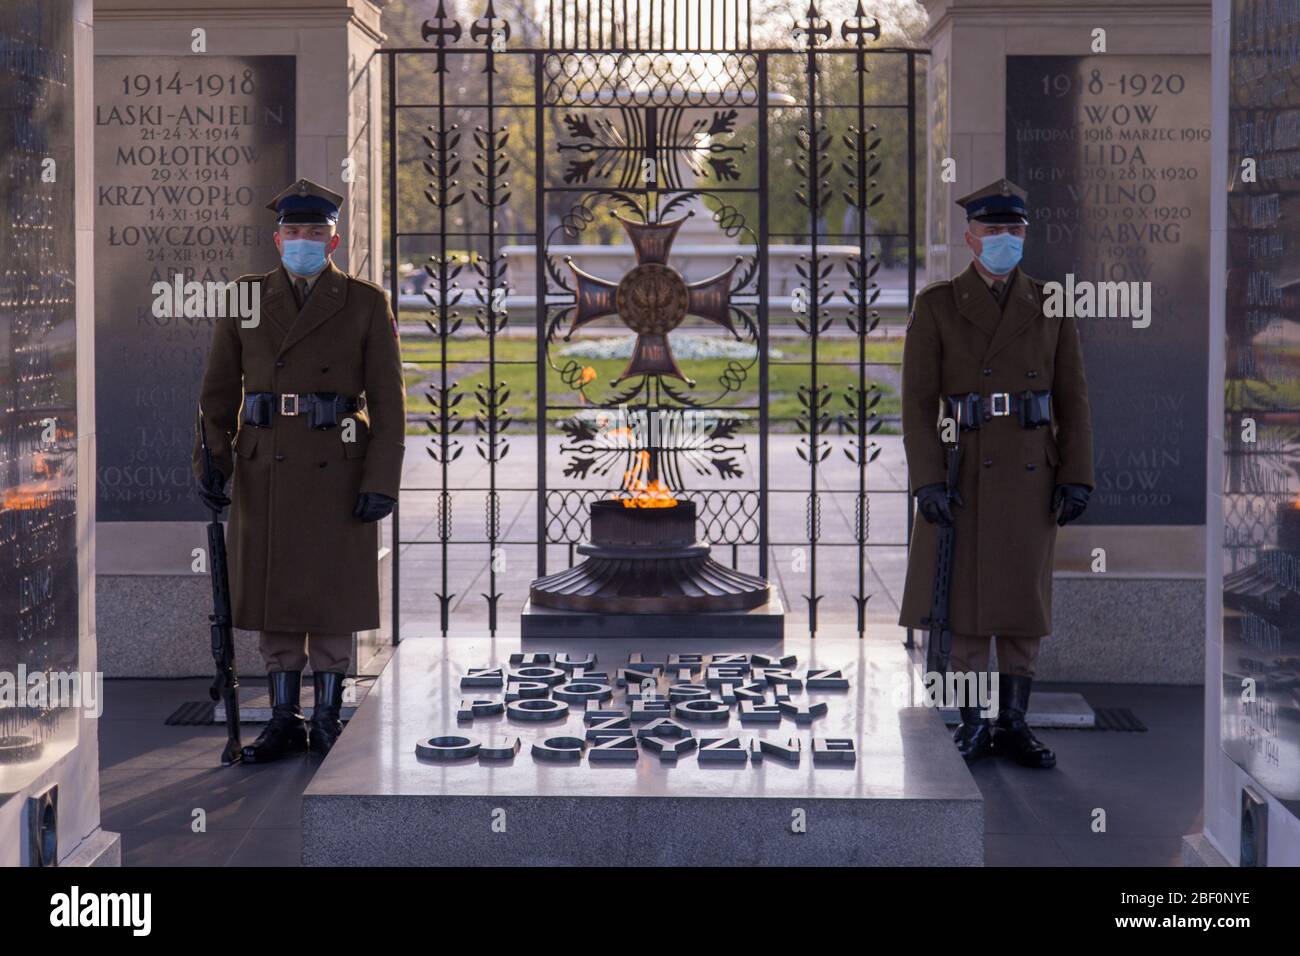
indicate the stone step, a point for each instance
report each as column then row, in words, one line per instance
column 255, row 701
column 1047, row 710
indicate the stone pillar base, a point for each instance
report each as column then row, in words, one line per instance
column 1120, row 630
column 1198, row 851
column 156, row 625
column 101, row 848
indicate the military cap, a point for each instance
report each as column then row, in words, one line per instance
column 1001, row 201
column 306, row 202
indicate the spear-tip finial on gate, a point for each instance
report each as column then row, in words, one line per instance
column 441, row 27
column 814, row 29
column 490, row 30
column 855, row 28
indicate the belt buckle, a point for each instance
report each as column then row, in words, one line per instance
column 1006, row 404
column 284, row 404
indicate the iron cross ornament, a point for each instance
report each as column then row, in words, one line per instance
column 652, row 298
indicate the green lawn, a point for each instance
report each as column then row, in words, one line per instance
column 467, row 359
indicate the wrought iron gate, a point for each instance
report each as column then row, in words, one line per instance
column 515, row 152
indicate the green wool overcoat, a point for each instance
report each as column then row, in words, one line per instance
column 299, row 560
column 958, row 341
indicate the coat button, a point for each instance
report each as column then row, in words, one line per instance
column 1031, row 374
column 988, row 371
column 322, row 464
column 279, row 457
column 1030, row 466
column 325, row 368
column 279, row 363
column 988, row 462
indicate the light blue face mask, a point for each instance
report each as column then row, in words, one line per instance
column 303, row 257
column 1001, row 252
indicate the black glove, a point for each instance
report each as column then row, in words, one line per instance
column 372, row 506
column 932, row 500
column 213, row 494
column 1070, row 500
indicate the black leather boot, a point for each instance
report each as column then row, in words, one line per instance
column 286, row 731
column 974, row 735
column 325, row 723
column 1011, row 735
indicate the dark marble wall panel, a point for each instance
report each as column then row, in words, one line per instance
column 38, row 386
column 188, row 151
column 1114, row 151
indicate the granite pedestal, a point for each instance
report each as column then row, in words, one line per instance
column 763, row 623
column 905, row 799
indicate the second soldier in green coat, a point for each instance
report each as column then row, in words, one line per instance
column 980, row 351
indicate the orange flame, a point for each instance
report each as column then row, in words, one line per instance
column 642, row 493
column 30, row 496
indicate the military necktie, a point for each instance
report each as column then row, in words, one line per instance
column 996, row 288
column 300, row 291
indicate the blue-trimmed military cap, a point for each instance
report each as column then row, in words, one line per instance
column 306, row 202
column 1000, row 202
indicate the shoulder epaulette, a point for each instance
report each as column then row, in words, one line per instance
column 935, row 287
column 373, row 286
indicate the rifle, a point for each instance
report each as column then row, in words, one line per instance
column 938, row 644
column 225, row 686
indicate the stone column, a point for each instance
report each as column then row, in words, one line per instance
column 52, row 558
column 1142, row 619
column 1251, row 636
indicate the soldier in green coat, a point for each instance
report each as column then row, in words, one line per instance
column 983, row 364
column 306, row 409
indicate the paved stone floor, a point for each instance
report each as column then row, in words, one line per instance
column 155, row 777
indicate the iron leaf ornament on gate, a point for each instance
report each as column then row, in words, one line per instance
column 615, row 152
column 861, row 165
column 610, row 95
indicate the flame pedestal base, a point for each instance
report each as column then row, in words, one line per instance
column 646, row 575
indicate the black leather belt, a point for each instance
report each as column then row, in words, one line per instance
column 321, row 409
column 971, row 410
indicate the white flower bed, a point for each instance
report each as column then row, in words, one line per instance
column 685, row 347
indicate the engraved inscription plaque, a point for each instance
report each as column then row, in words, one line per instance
column 1114, row 151
column 38, row 382
column 1261, row 494
column 188, row 150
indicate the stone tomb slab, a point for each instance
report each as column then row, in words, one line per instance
column 904, row 797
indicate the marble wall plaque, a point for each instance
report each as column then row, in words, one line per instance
column 1261, row 494
column 188, row 151
column 38, row 386
column 1114, row 151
